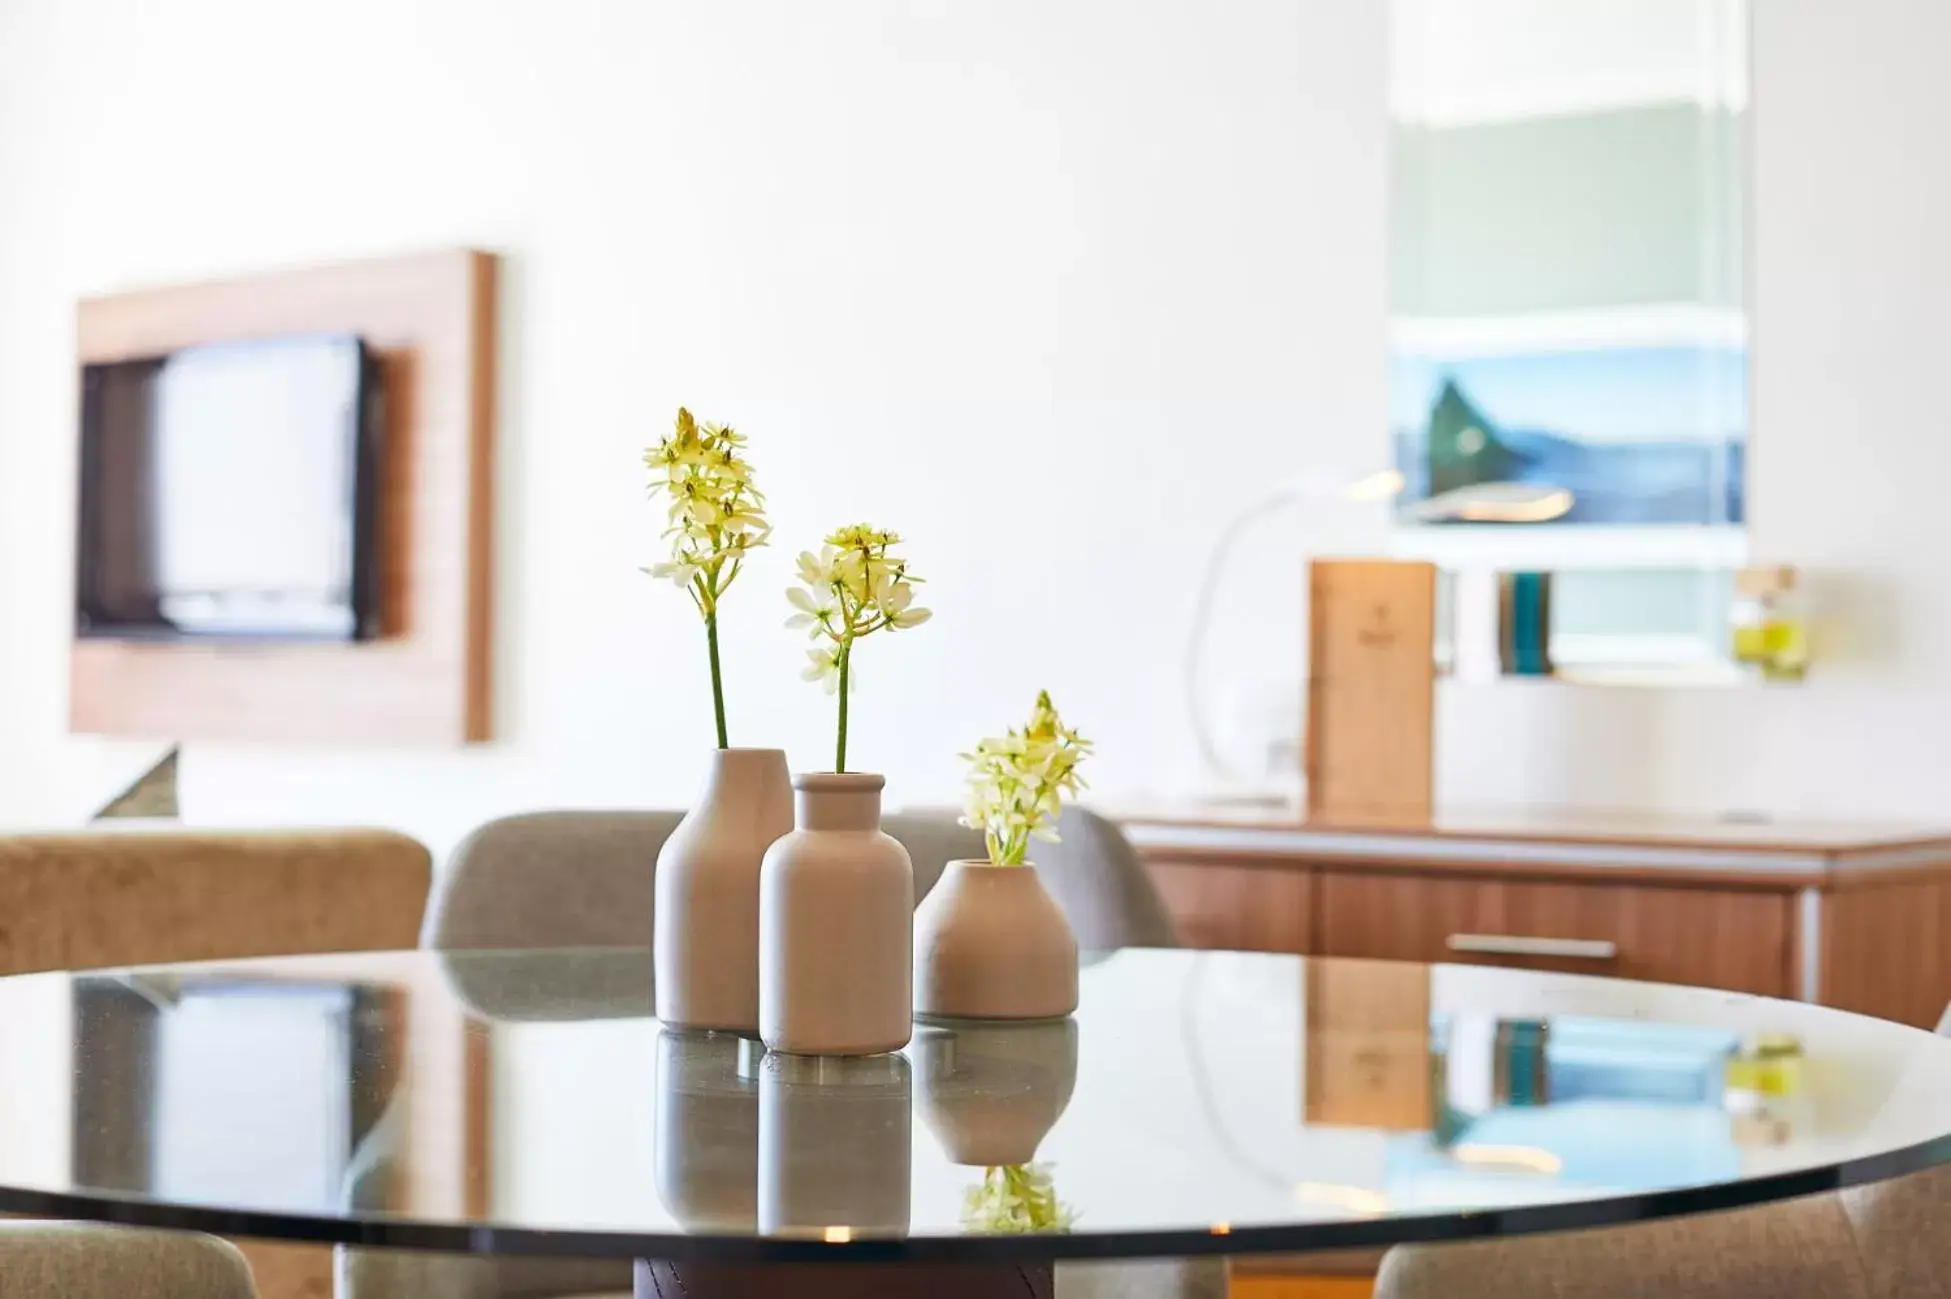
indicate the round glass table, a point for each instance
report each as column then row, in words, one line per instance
column 1197, row 1103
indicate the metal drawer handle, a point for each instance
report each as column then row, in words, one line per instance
column 1578, row 949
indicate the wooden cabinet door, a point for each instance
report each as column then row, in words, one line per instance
column 1237, row 908
column 1714, row 938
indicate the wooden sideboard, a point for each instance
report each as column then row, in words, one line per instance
column 1854, row 916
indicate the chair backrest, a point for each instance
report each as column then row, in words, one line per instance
column 144, row 895
column 567, row 879
column 65, row 1260
column 934, row 837
column 551, row 879
column 588, row 879
column 1092, row 871
column 1097, row 878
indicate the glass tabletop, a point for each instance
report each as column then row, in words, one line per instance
column 529, row 1102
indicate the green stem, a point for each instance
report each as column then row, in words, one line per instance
column 717, row 678
column 840, row 750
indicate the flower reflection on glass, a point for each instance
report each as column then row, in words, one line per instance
column 855, row 586
column 1015, row 1200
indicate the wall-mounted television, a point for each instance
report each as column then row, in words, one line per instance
column 231, row 491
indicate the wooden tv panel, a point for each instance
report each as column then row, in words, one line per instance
column 425, row 680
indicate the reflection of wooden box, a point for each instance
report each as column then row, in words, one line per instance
column 1367, row 1035
column 1371, row 692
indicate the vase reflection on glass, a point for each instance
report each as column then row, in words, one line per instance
column 835, row 1145
column 990, row 1093
column 707, row 1123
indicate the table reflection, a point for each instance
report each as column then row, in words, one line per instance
column 158, row 1094
column 1492, row 1108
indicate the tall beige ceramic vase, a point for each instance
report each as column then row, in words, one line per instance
column 707, row 922
column 991, row 943
column 836, row 926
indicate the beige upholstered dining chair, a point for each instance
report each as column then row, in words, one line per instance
column 1888, row 1240
column 143, row 895
column 933, row 838
column 1097, row 878
column 550, row 879
column 63, row 1260
column 1091, row 870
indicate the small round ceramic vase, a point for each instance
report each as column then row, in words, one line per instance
column 991, row 943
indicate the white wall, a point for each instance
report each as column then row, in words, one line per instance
column 1048, row 286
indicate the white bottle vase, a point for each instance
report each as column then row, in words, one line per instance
column 991, row 943
column 836, row 926
column 707, row 923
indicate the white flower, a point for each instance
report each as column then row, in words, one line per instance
column 816, row 570
column 823, row 666
column 814, row 615
column 681, row 571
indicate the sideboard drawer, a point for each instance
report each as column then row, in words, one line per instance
column 1716, row 938
column 1237, row 908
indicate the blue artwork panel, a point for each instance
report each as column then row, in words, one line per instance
column 1638, row 435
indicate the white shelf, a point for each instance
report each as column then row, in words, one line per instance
column 1549, row 546
column 1659, row 324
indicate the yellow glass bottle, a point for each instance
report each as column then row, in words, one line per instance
column 1769, row 632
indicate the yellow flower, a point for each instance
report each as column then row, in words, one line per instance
column 1017, row 783
column 716, row 514
column 716, row 517
column 855, row 586
column 861, row 536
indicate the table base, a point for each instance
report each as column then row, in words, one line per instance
column 661, row 1280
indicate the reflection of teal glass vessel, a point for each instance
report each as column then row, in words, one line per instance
column 1585, row 1102
column 1651, row 435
